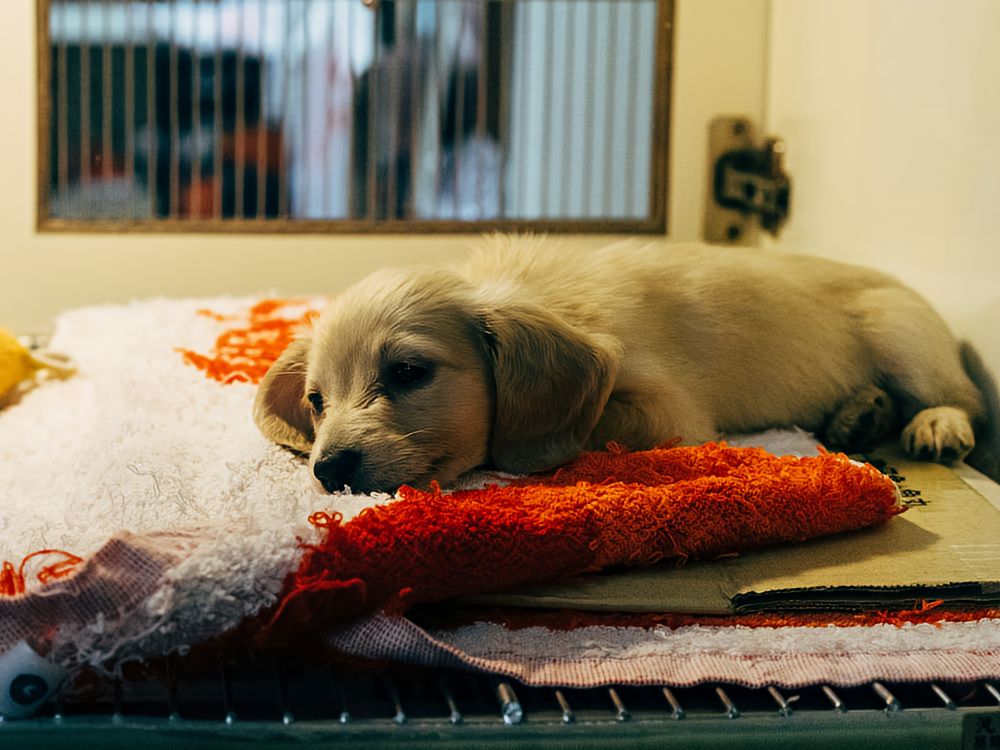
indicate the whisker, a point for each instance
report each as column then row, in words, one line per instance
column 414, row 432
column 405, row 455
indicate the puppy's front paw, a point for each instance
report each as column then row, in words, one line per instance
column 942, row 433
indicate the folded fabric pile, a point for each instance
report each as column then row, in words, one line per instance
column 165, row 520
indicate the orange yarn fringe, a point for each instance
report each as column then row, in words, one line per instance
column 244, row 353
column 13, row 580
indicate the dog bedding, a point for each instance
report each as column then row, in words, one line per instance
column 142, row 513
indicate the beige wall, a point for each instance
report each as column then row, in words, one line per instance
column 718, row 68
column 891, row 113
column 888, row 107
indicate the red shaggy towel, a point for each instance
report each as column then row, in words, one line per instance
column 606, row 509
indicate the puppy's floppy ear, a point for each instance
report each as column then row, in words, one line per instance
column 280, row 409
column 552, row 384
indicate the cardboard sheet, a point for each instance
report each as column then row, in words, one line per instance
column 946, row 546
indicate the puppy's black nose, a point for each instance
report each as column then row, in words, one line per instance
column 337, row 471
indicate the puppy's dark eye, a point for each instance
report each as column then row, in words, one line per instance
column 316, row 399
column 408, row 374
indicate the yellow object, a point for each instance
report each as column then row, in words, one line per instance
column 19, row 367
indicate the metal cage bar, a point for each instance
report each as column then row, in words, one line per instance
column 217, row 72
column 239, row 129
column 262, row 145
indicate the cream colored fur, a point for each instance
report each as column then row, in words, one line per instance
column 535, row 350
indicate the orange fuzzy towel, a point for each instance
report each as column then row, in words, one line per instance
column 244, row 352
column 606, row 509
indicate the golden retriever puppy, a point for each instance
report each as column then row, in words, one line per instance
column 533, row 350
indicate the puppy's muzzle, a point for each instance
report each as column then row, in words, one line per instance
column 339, row 470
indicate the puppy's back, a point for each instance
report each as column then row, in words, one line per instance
column 757, row 337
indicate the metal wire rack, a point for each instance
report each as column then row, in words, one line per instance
column 283, row 704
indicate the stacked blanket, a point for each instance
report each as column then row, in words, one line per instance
column 142, row 513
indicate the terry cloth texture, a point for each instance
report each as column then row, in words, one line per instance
column 171, row 520
column 606, row 509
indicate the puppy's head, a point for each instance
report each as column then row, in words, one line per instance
column 409, row 378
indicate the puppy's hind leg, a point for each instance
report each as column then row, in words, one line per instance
column 919, row 362
column 863, row 420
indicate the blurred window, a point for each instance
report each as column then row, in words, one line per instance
column 346, row 115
